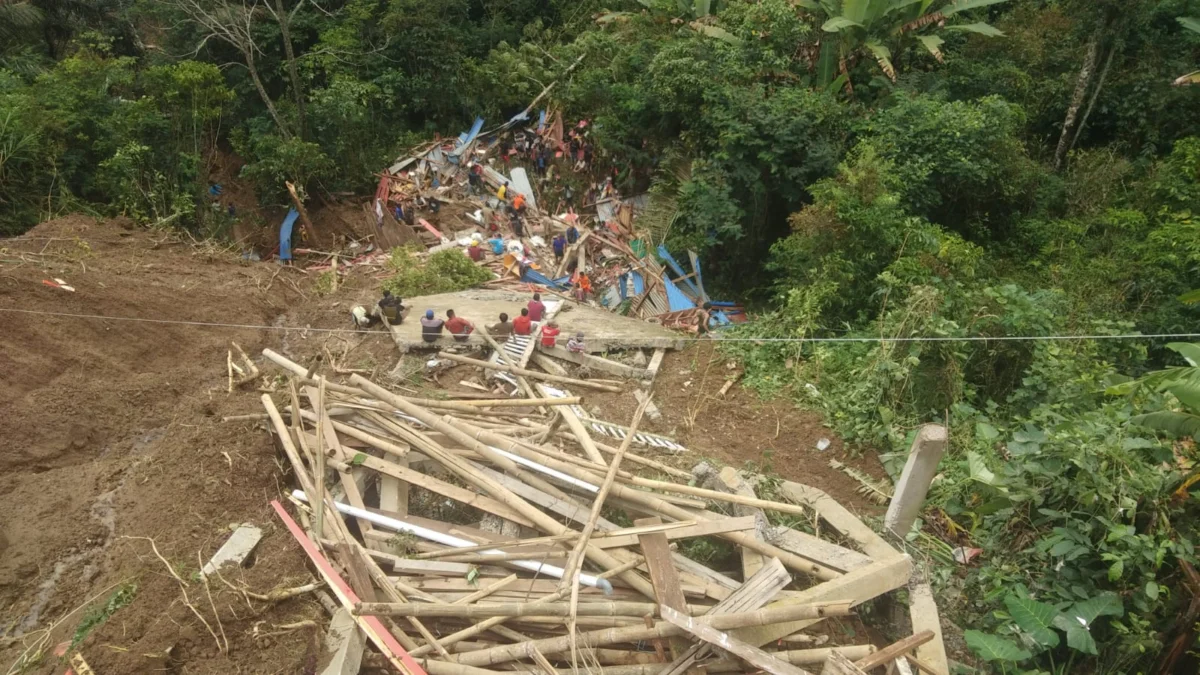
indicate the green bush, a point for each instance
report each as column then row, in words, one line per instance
column 444, row 272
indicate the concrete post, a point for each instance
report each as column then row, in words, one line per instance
column 914, row 482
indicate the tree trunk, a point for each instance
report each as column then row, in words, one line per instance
column 262, row 92
column 293, row 72
column 1095, row 94
column 1081, row 88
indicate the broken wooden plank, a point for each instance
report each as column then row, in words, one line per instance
column 895, row 650
column 756, row 592
column 854, row 587
column 846, row 523
column 817, row 550
column 663, row 575
column 548, row 364
column 236, row 548
column 838, row 664
column 747, row 652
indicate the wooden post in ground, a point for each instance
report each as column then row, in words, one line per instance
column 919, row 470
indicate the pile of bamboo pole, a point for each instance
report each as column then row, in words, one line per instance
column 533, row 574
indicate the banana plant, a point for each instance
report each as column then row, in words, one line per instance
column 1192, row 24
column 857, row 26
column 1183, row 382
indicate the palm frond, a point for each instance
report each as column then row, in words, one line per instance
column 878, row 491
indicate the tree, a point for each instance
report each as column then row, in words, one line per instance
column 233, row 24
column 858, row 25
column 284, row 19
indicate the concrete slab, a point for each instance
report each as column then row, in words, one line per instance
column 236, row 549
column 344, row 643
column 603, row 331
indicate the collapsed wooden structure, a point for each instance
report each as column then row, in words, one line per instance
column 530, row 566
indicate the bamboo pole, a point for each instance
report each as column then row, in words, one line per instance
column 484, row 482
column 575, row 563
column 527, row 373
column 657, row 504
column 490, row 623
column 483, row 611
column 503, row 356
column 319, row 505
column 660, row 630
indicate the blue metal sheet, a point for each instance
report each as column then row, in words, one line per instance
column 639, row 284
column 666, row 255
column 285, row 234
column 677, row 300
column 695, row 259
column 465, row 139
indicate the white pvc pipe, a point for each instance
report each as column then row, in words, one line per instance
column 449, row 540
column 553, row 473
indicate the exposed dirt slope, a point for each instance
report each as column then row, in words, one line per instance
column 113, row 434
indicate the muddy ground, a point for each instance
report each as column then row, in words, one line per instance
column 114, row 444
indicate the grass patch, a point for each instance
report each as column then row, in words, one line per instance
column 120, row 597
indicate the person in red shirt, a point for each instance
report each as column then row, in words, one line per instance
column 549, row 334
column 459, row 327
column 522, row 325
column 475, row 252
column 536, row 307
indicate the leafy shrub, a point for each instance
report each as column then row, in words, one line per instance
column 444, row 272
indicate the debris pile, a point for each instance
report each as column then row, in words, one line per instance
column 509, row 197
column 466, row 533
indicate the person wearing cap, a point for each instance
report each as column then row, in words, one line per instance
column 431, row 328
column 575, row 345
column 536, row 307
column 550, row 334
column 391, row 308
column 459, row 327
column 474, row 252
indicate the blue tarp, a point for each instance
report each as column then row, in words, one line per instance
column 639, row 284
column 677, row 300
column 533, row 276
column 285, row 234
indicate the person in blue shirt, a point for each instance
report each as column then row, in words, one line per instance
column 560, row 247
column 497, row 245
column 572, row 235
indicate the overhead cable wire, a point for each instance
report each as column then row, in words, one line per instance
column 913, row 338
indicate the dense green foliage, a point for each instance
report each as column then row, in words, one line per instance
column 443, row 272
column 966, row 171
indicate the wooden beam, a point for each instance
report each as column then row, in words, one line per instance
column 747, row 652
column 657, row 359
column 663, row 575
column 895, row 650
column 855, row 587
column 728, row 480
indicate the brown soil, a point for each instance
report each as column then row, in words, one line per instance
column 113, row 434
